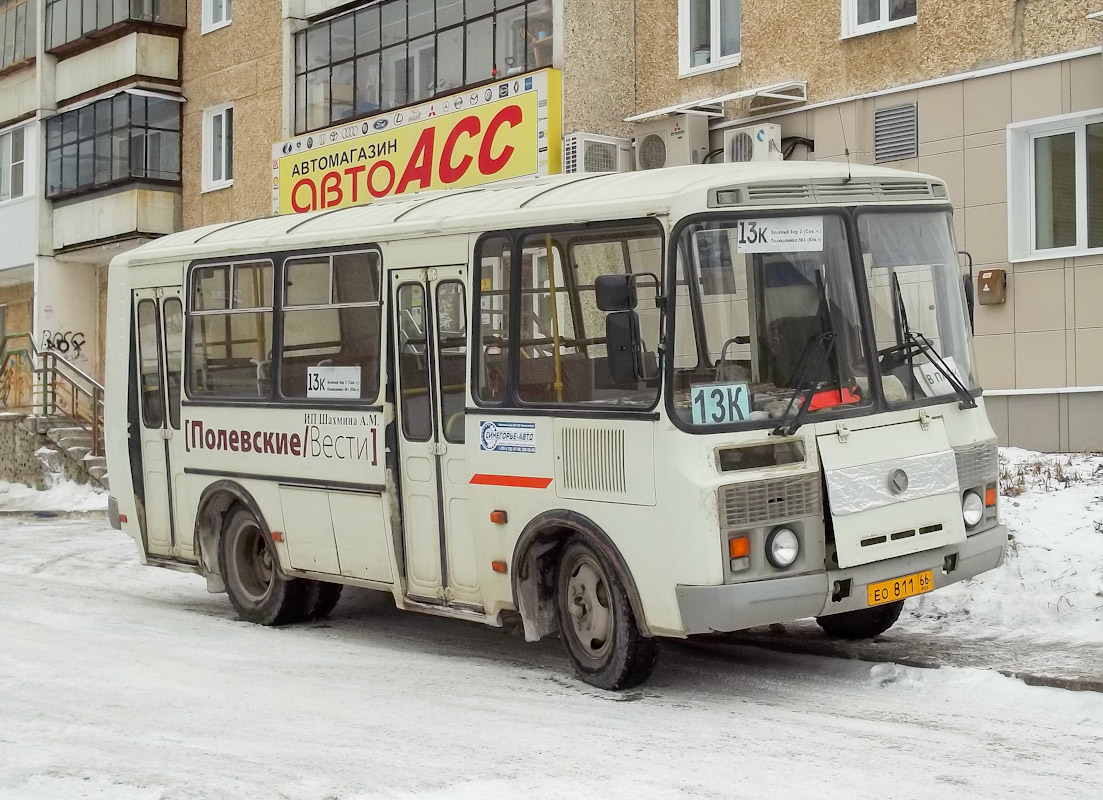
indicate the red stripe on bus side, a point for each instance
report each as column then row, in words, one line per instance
column 511, row 480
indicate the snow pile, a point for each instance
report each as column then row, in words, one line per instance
column 62, row 496
column 1050, row 586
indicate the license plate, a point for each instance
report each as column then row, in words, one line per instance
column 899, row 588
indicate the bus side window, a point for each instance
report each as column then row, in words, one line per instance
column 230, row 324
column 494, row 259
column 331, row 313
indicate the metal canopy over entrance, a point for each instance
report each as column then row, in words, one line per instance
column 779, row 95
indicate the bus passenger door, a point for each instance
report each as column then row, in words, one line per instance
column 430, row 324
column 159, row 334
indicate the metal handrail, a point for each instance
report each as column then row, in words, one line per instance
column 57, row 386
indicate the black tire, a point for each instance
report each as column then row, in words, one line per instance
column 321, row 598
column 250, row 570
column 865, row 623
column 606, row 649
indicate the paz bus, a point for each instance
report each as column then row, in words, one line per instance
column 620, row 407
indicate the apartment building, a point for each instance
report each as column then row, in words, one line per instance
column 90, row 113
column 1003, row 99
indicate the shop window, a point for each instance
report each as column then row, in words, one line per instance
column 12, row 158
column 70, row 20
column 708, row 34
column 218, row 147
column 121, row 138
column 217, row 14
column 868, row 16
column 393, row 53
column 17, row 31
column 1055, row 190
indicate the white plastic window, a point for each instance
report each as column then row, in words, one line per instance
column 708, row 34
column 868, row 16
column 218, row 147
column 217, row 14
column 1055, row 189
column 12, row 157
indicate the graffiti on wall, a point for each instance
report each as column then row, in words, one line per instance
column 69, row 345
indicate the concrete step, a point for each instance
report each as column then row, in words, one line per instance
column 78, row 452
column 59, row 432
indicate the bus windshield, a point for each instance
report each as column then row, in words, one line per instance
column 919, row 313
column 767, row 329
column 766, row 321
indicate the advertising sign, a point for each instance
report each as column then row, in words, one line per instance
column 509, row 129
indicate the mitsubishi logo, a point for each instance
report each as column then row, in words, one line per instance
column 898, row 481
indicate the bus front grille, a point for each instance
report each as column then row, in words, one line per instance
column 977, row 464
column 744, row 505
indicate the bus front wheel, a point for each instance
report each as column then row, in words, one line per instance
column 865, row 623
column 599, row 630
column 250, row 570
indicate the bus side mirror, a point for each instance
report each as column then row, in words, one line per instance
column 615, row 292
column 970, row 299
column 622, row 343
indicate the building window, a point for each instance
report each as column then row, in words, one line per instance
column 17, row 31
column 218, row 147
column 217, row 14
column 114, row 140
column 1055, row 186
column 12, row 157
column 70, row 20
column 867, row 16
column 398, row 52
column 708, row 32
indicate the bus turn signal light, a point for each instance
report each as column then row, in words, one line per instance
column 990, row 496
column 277, row 536
column 498, row 566
column 499, row 517
column 739, row 547
column 122, row 517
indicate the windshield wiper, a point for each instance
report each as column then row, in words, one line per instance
column 816, row 352
column 915, row 343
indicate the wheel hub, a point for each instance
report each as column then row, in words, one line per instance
column 588, row 605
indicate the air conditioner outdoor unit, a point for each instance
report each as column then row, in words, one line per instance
column 672, row 141
column 591, row 152
column 757, row 143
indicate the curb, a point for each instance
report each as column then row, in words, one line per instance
column 833, row 649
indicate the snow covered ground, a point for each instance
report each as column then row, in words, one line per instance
column 1050, row 589
column 62, row 496
column 122, row 682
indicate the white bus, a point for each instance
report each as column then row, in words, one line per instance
column 622, row 406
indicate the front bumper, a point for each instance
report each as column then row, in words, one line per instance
column 736, row 606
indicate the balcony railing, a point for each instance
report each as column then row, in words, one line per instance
column 68, row 21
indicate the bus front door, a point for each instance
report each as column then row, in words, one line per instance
column 159, row 336
column 430, row 351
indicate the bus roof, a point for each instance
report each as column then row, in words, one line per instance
column 555, row 199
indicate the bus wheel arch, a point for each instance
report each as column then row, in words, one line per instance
column 215, row 506
column 535, row 568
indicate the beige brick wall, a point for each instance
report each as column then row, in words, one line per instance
column 241, row 63
column 17, row 300
column 786, row 41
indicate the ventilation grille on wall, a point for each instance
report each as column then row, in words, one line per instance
column 593, row 460
column 977, row 464
column 895, row 133
column 761, row 502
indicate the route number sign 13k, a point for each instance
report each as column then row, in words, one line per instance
column 719, row 403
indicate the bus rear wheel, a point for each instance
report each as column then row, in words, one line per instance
column 865, row 623
column 250, row 570
column 599, row 630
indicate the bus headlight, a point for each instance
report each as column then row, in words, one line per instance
column 972, row 508
column 782, row 547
